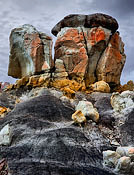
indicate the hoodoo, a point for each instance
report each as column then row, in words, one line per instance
column 90, row 47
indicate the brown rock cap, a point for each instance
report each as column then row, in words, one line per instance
column 88, row 21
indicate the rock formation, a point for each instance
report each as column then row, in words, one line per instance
column 90, row 48
column 30, row 51
column 50, row 122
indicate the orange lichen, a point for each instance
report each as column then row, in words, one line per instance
column 96, row 35
column 78, row 117
column 33, row 81
column 68, row 92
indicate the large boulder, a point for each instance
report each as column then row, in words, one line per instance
column 30, row 51
column 85, row 42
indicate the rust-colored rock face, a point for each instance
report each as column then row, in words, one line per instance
column 30, row 51
column 91, row 51
column 112, row 61
column 70, row 48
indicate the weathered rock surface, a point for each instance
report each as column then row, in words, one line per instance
column 91, row 51
column 111, row 63
column 129, row 86
column 110, row 158
column 126, row 151
column 2, row 110
column 127, row 129
column 30, row 51
column 42, row 132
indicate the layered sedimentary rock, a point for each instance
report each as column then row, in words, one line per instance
column 90, row 48
column 30, row 51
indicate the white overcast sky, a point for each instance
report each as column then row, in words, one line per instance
column 44, row 14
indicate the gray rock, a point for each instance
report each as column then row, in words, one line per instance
column 127, row 129
column 5, row 135
column 122, row 102
column 124, row 165
column 44, row 141
column 110, row 158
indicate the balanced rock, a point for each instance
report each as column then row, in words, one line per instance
column 30, row 51
column 85, row 42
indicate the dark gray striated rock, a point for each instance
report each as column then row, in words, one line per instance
column 44, row 140
column 106, row 112
column 6, row 101
column 127, row 130
column 89, row 21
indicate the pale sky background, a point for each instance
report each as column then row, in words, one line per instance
column 44, row 14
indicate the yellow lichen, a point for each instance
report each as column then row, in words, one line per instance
column 3, row 110
column 78, row 117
